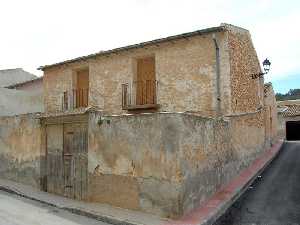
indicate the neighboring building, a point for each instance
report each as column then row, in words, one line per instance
column 20, row 92
column 13, row 76
column 289, row 119
column 158, row 126
column 31, row 86
column 271, row 120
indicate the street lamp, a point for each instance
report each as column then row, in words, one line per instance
column 266, row 66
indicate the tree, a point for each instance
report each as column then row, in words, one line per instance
column 292, row 94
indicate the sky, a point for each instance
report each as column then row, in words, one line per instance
column 40, row 32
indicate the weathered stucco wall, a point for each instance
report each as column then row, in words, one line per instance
column 161, row 163
column 281, row 125
column 185, row 70
column 271, row 118
column 20, row 146
column 227, row 146
column 168, row 163
column 133, row 162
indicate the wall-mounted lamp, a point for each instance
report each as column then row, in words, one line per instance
column 266, row 65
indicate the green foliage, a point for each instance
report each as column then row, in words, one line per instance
column 292, row 94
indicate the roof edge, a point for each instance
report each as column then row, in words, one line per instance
column 22, row 83
column 220, row 28
column 18, row 68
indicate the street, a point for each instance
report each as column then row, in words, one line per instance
column 16, row 210
column 274, row 197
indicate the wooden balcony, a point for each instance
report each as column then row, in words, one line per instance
column 76, row 98
column 139, row 95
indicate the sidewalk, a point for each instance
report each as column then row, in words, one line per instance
column 207, row 214
column 102, row 212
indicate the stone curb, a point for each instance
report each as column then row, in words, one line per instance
column 102, row 218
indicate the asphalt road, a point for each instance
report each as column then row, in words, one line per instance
column 16, row 210
column 274, row 198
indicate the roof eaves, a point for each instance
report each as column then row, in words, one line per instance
column 22, row 83
column 139, row 45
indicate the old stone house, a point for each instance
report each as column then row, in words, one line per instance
column 157, row 126
column 289, row 119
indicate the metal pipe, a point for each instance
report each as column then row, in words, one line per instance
column 218, row 103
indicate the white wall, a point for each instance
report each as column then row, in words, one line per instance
column 14, row 102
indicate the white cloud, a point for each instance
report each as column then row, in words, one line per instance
column 279, row 39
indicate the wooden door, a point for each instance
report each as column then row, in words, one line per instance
column 67, row 160
column 145, row 83
column 54, row 160
column 75, row 161
column 82, row 88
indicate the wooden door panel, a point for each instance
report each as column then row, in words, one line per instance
column 81, row 172
column 83, row 79
column 146, row 68
column 68, row 184
column 82, row 88
column 75, row 160
column 54, row 158
column 145, row 84
column 81, row 163
column 67, row 161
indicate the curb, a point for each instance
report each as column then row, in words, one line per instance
column 105, row 219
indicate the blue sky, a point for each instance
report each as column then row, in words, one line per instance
column 287, row 83
column 36, row 33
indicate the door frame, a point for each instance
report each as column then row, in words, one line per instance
column 61, row 120
column 144, row 88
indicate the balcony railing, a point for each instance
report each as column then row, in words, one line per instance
column 75, row 98
column 139, row 95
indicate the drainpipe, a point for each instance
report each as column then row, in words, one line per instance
column 218, row 103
